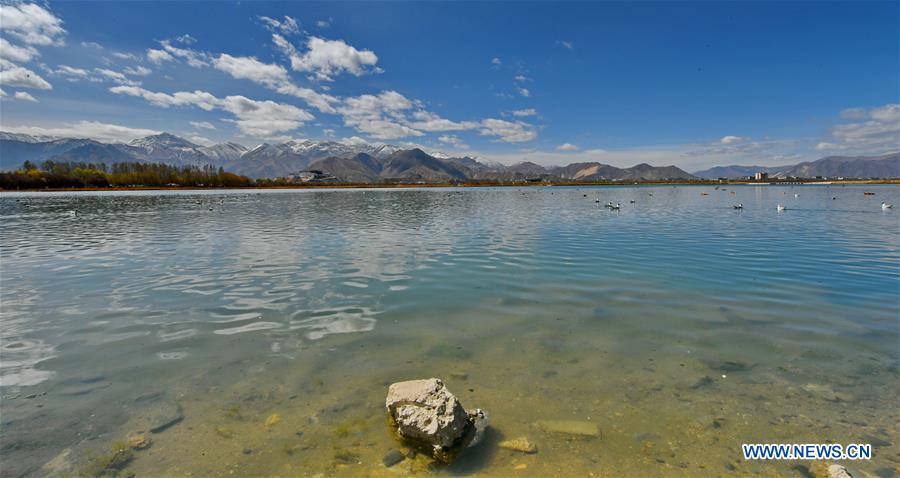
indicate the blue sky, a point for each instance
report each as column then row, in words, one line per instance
column 690, row 84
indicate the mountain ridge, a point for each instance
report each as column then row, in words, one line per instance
column 365, row 162
column 880, row 166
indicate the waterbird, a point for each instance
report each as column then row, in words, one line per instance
column 833, row 198
column 796, row 195
column 739, row 205
column 74, row 212
column 885, row 206
column 614, row 208
column 632, row 201
column 780, row 207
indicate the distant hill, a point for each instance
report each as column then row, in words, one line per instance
column 361, row 168
column 364, row 162
column 883, row 166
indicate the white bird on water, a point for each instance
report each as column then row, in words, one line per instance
column 885, row 206
column 739, row 205
column 614, row 208
column 780, row 207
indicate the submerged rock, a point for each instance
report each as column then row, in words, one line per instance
column 427, row 414
column 838, row 471
column 139, row 441
column 823, row 470
column 520, row 444
column 159, row 417
column 569, row 427
column 392, row 457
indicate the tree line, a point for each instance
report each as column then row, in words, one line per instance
column 53, row 174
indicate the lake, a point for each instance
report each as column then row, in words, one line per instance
column 258, row 331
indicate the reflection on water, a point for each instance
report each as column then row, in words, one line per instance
column 681, row 326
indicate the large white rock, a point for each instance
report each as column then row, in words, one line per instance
column 427, row 413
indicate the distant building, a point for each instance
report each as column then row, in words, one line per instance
column 760, row 176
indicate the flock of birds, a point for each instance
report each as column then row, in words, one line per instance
column 780, row 207
column 609, row 205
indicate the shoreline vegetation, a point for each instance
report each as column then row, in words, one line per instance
column 64, row 176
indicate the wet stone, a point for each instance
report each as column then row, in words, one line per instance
column 166, row 416
column 392, row 457
column 139, row 441
column 703, row 382
column 428, row 415
column 728, row 366
column 521, row 444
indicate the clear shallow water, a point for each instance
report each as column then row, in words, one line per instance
column 681, row 326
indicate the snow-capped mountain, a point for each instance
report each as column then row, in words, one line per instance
column 224, row 152
column 350, row 160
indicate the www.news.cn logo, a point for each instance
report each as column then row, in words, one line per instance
column 808, row 451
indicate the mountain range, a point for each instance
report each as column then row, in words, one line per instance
column 883, row 166
column 364, row 162
column 356, row 162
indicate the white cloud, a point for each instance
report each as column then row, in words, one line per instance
column 158, row 56
column 15, row 75
column 565, row 44
column 735, row 146
column 86, row 129
column 524, row 112
column 31, row 23
column 249, row 68
column 115, row 77
column 496, row 61
column 453, row 141
column 202, row 125
column 126, row 56
column 328, row 58
column 886, row 114
column 524, row 92
column 567, row 147
column 427, row 121
column 508, row 131
column 381, row 116
column 879, row 133
column 201, row 140
column 198, row 98
column 853, row 113
column 194, row 58
column 288, row 26
column 2, row 93
column 732, row 139
column 24, row 96
column 12, row 52
column 262, row 119
column 138, row 70
column 274, row 77
column 186, row 39
column 97, row 75
column 323, row 23
column 71, row 72
column 520, row 78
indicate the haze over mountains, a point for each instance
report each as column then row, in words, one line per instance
column 364, row 162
